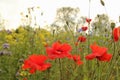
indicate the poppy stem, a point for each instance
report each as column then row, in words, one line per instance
column 112, row 64
column 88, row 26
column 71, row 32
column 116, row 67
column 60, row 67
column 48, row 71
column 72, row 35
column 93, row 72
column 35, row 76
column 98, row 73
column 88, row 36
column 89, row 9
column 85, row 70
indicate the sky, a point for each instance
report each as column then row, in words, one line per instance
column 10, row 9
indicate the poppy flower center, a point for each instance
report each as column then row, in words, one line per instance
column 59, row 51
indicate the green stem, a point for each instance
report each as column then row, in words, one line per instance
column 93, row 73
column 99, row 69
column 88, row 38
column 85, row 70
column 117, row 71
column 89, row 9
column 112, row 62
column 73, row 37
column 60, row 68
column 48, row 74
column 74, row 73
column 88, row 26
column 71, row 32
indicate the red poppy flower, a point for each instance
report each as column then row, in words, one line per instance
column 99, row 52
column 36, row 62
column 81, row 39
column 58, row 50
column 76, row 58
column 84, row 28
column 116, row 34
column 88, row 20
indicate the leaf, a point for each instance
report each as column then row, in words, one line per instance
column 102, row 2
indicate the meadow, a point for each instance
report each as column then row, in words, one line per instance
column 72, row 61
column 68, row 49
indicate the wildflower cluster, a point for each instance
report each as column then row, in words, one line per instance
column 60, row 51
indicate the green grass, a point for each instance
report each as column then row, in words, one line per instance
column 26, row 42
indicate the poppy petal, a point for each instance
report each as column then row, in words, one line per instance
column 90, row 56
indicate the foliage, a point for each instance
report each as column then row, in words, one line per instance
column 62, row 53
column 101, row 24
column 65, row 16
column 25, row 41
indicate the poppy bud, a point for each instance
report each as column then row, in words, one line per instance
column 112, row 25
column 102, row 2
column 26, row 16
column 105, row 30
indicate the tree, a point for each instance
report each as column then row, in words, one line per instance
column 100, row 24
column 66, row 17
